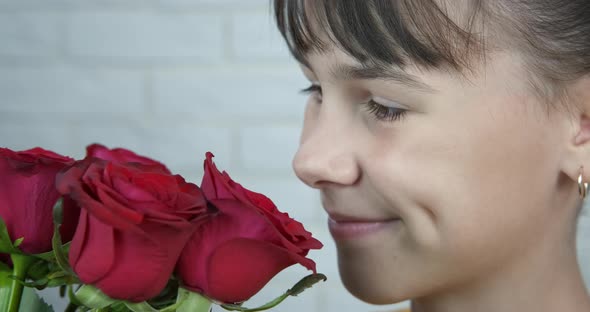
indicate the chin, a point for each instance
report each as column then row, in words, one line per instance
column 372, row 286
column 374, row 295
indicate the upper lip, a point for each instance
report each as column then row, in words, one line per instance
column 347, row 218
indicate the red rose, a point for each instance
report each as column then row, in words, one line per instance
column 133, row 225
column 28, row 194
column 122, row 156
column 232, row 256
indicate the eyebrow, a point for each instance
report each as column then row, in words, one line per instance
column 351, row 72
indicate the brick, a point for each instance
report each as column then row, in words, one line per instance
column 28, row 34
column 222, row 4
column 146, row 36
column 129, row 137
column 584, row 259
column 224, row 94
column 259, row 143
column 327, row 257
column 586, row 211
column 69, row 90
column 74, row 4
column 583, row 237
column 25, row 135
column 28, row 4
column 182, row 148
column 256, row 37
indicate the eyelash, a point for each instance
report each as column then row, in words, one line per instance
column 380, row 112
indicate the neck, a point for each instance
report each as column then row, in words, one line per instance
column 547, row 279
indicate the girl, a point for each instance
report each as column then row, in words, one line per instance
column 450, row 142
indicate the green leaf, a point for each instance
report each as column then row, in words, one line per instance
column 38, row 270
column 58, row 211
column 60, row 256
column 140, row 307
column 189, row 301
column 297, row 289
column 72, row 296
column 57, row 274
column 32, row 302
column 4, row 267
column 5, row 288
column 50, row 255
column 6, row 245
column 167, row 297
column 92, row 297
column 119, row 307
column 58, row 248
column 47, row 256
column 18, row 241
column 39, row 284
column 60, row 281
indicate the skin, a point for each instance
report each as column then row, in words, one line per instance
column 482, row 177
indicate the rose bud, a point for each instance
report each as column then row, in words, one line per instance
column 232, row 256
column 27, row 197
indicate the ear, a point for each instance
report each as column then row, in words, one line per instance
column 577, row 160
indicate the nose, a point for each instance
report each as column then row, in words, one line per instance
column 326, row 153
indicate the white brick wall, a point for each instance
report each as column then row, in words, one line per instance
column 171, row 79
column 29, row 34
column 253, row 42
column 149, row 36
column 255, row 92
column 69, row 88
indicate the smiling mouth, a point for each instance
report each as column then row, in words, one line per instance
column 352, row 228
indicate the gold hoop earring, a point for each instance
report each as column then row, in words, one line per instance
column 582, row 186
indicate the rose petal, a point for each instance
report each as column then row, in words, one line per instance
column 241, row 267
column 97, row 253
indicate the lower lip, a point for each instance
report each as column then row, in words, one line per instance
column 350, row 230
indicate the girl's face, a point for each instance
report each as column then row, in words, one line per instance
column 432, row 183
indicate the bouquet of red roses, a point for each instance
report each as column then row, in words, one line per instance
column 117, row 231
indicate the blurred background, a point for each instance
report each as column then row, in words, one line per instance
column 172, row 79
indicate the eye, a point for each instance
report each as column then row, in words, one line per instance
column 314, row 89
column 384, row 112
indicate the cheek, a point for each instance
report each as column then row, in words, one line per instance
column 464, row 183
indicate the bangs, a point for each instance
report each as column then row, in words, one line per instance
column 383, row 32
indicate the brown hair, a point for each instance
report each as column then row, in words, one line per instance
column 553, row 36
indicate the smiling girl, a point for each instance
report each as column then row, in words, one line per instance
column 450, row 142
